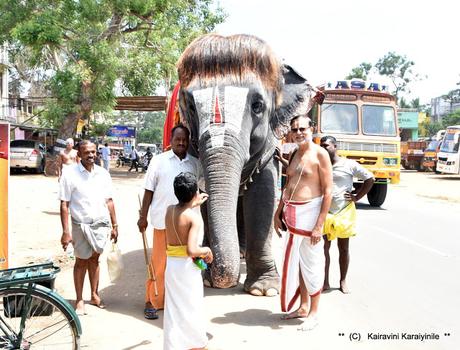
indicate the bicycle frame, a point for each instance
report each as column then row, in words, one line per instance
column 23, row 279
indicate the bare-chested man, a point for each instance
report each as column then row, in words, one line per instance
column 67, row 156
column 302, row 211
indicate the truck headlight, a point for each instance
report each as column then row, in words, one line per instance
column 390, row 161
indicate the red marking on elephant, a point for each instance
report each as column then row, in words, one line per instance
column 217, row 114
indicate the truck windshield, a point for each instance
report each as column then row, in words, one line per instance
column 339, row 118
column 432, row 146
column 379, row 120
column 448, row 144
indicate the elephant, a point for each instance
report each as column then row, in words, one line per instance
column 236, row 98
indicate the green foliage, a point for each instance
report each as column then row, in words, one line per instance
column 86, row 47
column 360, row 72
column 149, row 124
column 415, row 103
column 451, row 119
column 453, row 96
column 429, row 129
column 403, row 103
column 99, row 129
column 396, row 67
column 399, row 69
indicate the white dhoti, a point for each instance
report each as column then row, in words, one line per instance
column 184, row 324
column 300, row 218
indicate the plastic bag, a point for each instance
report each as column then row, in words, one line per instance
column 114, row 263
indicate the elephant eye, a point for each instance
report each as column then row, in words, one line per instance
column 257, row 107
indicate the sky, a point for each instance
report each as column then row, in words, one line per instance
column 324, row 39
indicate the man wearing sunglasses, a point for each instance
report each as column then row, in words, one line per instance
column 302, row 211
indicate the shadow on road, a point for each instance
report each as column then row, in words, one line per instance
column 127, row 295
column 50, row 212
column 446, row 177
column 256, row 318
column 363, row 206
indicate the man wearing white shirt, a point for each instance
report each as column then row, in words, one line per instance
column 86, row 192
column 158, row 195
column 105, row 152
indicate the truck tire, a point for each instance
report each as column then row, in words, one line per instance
column 377, row 195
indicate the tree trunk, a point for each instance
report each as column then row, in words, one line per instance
column 69, row 126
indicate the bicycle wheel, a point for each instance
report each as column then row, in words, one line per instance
column 48, row 325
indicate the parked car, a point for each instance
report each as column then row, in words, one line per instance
column 27, row 154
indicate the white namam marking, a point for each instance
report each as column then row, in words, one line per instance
column 233, row 106
column 204, row 103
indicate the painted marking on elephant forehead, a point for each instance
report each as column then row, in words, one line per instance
column 216, row 114
column 235, row 104
column 203, row 102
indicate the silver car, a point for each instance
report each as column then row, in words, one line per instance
column 27, row 154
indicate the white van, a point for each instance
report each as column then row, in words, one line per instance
column 142, row 148
column 449, row 152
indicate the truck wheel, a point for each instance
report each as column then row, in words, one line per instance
column 377, row 195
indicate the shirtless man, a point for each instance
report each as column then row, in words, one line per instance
column 67, row 156
column 302, row 211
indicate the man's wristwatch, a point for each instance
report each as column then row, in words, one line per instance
column 114, row 225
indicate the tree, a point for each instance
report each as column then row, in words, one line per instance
column 360, row 72
column 429, row 129
column 399, row 69
column 451, row 119
column 415, row 103
column 453, row 96
column 403, row 103
column 82, row 48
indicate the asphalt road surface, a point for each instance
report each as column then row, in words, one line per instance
column 403, row 275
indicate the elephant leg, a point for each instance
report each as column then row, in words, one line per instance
column 258, row 206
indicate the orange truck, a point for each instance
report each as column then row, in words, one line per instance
column 430, row 156
column 412, row 154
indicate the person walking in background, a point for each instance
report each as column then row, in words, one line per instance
column 105, row 155
column 340, row 223
column 67, row 156
column 184, row 316
column 302, row 210
column 158, row 196
column 86, row 192
column 134, row 156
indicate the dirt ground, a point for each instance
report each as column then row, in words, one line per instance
column 236, row 319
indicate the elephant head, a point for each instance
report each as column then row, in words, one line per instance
column 234, row 96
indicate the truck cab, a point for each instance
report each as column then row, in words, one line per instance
column 362, row 117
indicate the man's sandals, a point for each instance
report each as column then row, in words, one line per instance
column 150, row 313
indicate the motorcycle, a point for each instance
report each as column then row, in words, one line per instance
column 122, row 161
column 144, row 163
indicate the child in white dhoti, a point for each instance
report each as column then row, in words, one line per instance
column 184, row 321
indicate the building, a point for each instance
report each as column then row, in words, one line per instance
column 4, row 102
column 441, row 106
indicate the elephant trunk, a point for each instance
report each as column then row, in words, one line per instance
column 222, row 172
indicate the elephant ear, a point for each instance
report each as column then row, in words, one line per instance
column 297, row 98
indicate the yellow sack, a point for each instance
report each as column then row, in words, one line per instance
column 341, row 224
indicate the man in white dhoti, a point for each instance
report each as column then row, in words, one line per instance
column 301, row 212
column 184, row 325
column 86, row 192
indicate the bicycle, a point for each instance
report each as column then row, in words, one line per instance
column 33, row 316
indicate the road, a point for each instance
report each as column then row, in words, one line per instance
column 402, row 274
